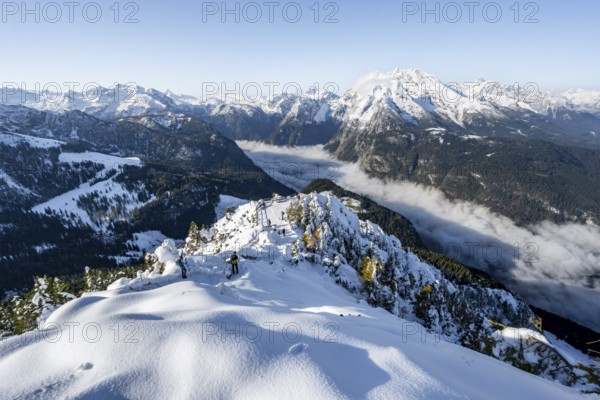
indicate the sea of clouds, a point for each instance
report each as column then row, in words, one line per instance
column 554, row 267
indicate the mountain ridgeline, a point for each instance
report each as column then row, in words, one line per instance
column 329, row 237
column 90, row 174
column 75, row 188
column 527, row 180
column 528, row 154
column 395, row 224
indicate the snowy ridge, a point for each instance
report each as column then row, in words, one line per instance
column 421, row 98
column 8, row 181
column 117, row 201
column 419, row 92
column 413, row 94
column 106, row 103
column 416, row 92
column 282, row 328
column 378, row 101
column 14, row 139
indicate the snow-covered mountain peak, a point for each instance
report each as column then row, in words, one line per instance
column 294, row 323
column 413, row 75
column 106, row 103
column 378, row 101
column 417, row 97
column 410, row 94
column 400, row 78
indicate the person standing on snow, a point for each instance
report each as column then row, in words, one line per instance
column 234, row 263
column 181, row 263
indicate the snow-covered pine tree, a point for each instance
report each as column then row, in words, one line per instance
column 49, row 294
column 194, row 239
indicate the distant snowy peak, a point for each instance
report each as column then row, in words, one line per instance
column 105, row 103
column 415, row 95
column 303, row 109
column 398, row 82
column 170, row 121
column 409, row 98
column 414, row 91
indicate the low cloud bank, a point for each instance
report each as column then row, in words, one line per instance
column 554, row 267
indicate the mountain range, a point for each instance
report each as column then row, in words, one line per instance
column 70, row 181
column 377, row 102
column 525, row 153
column 133, row 160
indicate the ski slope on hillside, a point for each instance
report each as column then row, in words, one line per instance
column 102, row 185
column 276, row 331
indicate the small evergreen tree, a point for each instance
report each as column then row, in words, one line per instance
column 194, row 239
column 422, row 305
column 309, row 242
column 367, row 269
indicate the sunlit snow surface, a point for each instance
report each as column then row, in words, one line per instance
column 275, row 331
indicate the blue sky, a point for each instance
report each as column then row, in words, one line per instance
column 180, row 45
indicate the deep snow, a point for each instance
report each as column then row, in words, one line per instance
column 276, row 330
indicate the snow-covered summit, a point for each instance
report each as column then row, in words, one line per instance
column 419, row 97
column 293, row 324
column 104, row 103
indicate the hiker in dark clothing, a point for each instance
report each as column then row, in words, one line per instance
column 181, row 264
column 234, row 263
